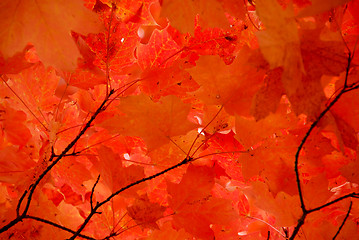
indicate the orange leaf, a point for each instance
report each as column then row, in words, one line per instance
column 160, row 51
column 196, row 184
column 182, row 13
column 154, row 122
column 195, row 208
column 13, row 122
column 219, row 82
column 114, row 174
column 268, row 96
column 284, row 208
column 23, row 21
column 279, row 42
column 168, row 232
column 198, row 218
column 14, row 64
column 213, row 41
column 145, row 213
column 350, row 171
column 317, row 186
column 118, row 51
column 320, row 6
column 280, row 175
column 173, row 80
column 71, row 172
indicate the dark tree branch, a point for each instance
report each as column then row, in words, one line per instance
column 99, row 204
column 33, row 186
column 92, row 192
column 19, row 203
column 57, row 226
column 345, row 219
column 299, row 225
column 63, row 153
column 346, row 88
column 314, row 124
column 353, row 195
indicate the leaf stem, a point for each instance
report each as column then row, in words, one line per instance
column 32, row 113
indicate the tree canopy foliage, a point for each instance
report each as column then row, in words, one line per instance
column 179, row 119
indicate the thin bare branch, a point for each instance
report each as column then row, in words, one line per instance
column 269, row 225
column 199, row 134
column 98, row 205
column 22, row 101
column 305, row 211
column 345, row 219
column 33, row 187
column 353, row 195
column 57, row 226
column 92, row 191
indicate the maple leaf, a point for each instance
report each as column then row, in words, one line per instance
column 154, row 122
column 24, row 21
column 13, row 122
column 168, row 232
column 319, row 6
column 14, row 64
column 268, row 96
column 36, row 86
column 219, row 82
column 115, row 50
column 319, row 58
column 182, row 14
column 160, row 50
column 212, row 41
column 134, row 11
column 317, row 185
column 71, row 172
column 346, row 109
column 18, row 170
column 194, row 206
column 171, row 153
column 114, row 174
column 285, row 208
column 173, row 80
column 227, row 160
column 146, row 213
column 350, row 172
column 279, row 176
column 198, row 179
column 279, row 42
column 72, row 147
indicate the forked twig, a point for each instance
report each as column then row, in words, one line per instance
column 199, row 134
column 305, row 211
column 57, row 226
column 33, row 186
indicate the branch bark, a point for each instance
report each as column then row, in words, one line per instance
column 346, row 88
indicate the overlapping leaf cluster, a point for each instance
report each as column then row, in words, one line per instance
column 172, row 119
